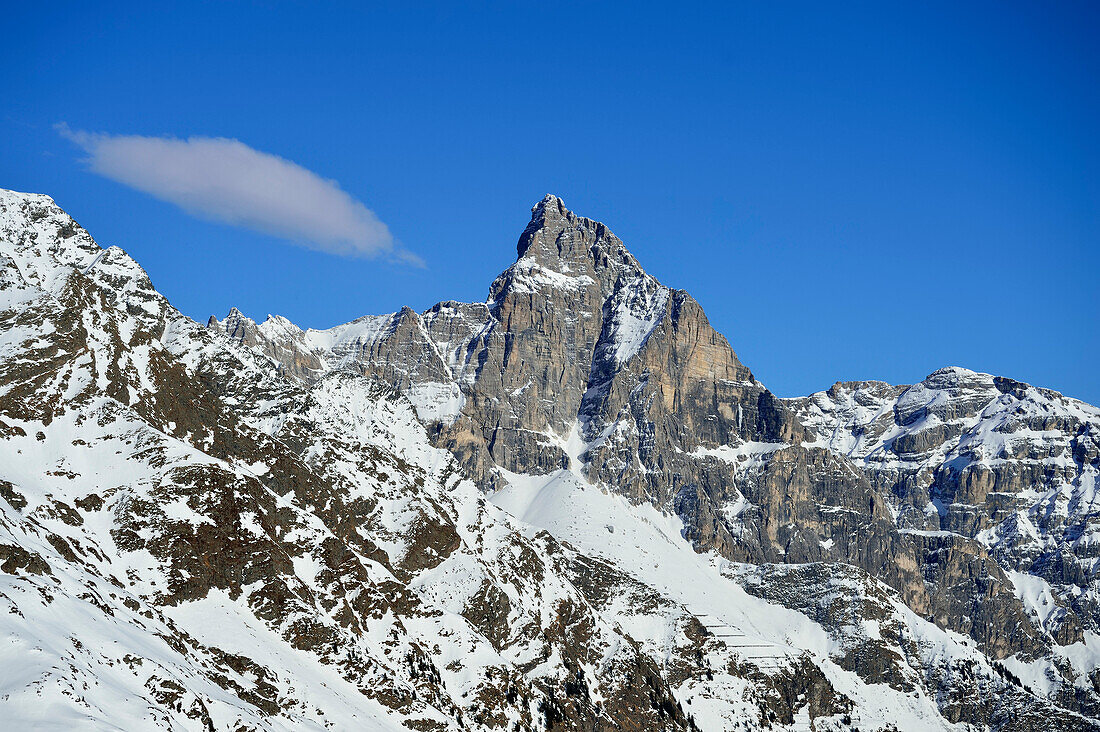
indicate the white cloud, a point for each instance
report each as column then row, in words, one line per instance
column 224, row 180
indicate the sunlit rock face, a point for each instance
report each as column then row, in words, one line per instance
column 570, row 506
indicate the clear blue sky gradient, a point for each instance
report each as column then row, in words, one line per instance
column 851, row 192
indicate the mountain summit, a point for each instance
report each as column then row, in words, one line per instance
column 570, row 506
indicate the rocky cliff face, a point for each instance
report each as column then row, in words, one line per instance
column 568, row 507
column 1007, row 466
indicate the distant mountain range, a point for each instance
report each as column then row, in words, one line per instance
column 569, row 507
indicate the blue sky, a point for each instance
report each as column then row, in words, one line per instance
column 851, row 193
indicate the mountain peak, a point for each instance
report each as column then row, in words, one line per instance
column 548, row 215
column 550, row 204
column 46, row 241
column 12, row 198
column 559, row 241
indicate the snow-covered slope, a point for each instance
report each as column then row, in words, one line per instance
column 400, row 524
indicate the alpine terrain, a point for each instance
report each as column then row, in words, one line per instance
column 568, row 507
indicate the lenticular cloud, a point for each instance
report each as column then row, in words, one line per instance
column 224, row 180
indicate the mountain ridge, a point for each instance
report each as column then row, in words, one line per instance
column 585, row 256
column 448, row 509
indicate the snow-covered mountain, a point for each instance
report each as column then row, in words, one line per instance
column 568, row 507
